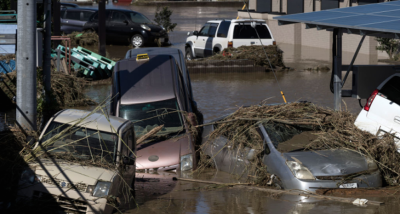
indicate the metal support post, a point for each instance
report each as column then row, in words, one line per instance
column 102, row 27
column 26, row 64
column 337, row 79
column 353, row 60
column 56, row 21
column 47, row 50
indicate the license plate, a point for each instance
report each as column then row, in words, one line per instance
column 349, row 185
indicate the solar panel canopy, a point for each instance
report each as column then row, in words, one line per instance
column 380, row 17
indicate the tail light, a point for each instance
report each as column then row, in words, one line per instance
column 370, row 100
column 274, row 43
column 230, row 44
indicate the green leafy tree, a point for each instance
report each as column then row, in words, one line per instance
column 390, row 46
column 4, row 4
column 163, row 18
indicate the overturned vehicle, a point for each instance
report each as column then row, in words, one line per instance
column 83, row 163
column 291, row 146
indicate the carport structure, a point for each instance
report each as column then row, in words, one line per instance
column 377, row 20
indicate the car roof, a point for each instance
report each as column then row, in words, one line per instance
column 121, row 10
column 95, row 121
column 236, row 20
column 175, row 52
column 146, row 81
column 81, row 9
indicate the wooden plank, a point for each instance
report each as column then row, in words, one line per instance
column 64, row 66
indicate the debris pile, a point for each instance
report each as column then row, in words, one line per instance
column 254, row 53
column 84, row 39
column 333, row 130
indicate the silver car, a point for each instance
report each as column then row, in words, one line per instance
column 292, row 166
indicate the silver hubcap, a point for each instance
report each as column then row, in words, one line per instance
column 188, row 56
column 137, row 41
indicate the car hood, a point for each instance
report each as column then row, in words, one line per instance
column 163, row 154
column 330, row 162
column 74, row 172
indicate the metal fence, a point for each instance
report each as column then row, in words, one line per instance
column 223, row 66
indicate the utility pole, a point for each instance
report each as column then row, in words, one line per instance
column 26, row 64
column 102, row 27
column 56, row 21
column 47, row 54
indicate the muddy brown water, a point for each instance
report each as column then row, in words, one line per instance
column 219, row 94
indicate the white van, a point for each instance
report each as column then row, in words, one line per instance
column 381, row 113
column 216, row 35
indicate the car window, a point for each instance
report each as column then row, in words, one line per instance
column 87, row 15
column 204, row 30
column 248, row 32
column 73, row 15
column 62, row 13
column 118, row 17
column 223, row 29
column 286, row 138
column 391, row 90
column 96, row 16
column 139, row 18
column 213, row 30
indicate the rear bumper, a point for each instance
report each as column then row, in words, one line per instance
column 364, row 181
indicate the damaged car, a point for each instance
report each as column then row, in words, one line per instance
column 152, row 92
column 281, row 152
column 83, row 163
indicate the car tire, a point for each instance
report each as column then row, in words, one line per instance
column 216, row 51
column 137, row 41
column 188, row 54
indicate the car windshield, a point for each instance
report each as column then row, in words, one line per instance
column 147, row 116
column 139, row 18
column 80, row 143
column 286, row 138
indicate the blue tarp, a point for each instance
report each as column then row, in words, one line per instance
column 7, row 67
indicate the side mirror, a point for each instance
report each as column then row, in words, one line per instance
column 188, row 33
column 195, row 33
column 126, row 22
column 128, row 161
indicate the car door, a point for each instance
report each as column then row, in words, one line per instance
column 94, row 24
column 210, row 40
column 200, row 41
column 119, row 26
column 72, row 21
column 127, row 147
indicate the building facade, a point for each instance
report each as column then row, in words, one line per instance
column 303, row 39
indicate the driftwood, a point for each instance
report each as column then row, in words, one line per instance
column 275, row 191
column 149, row 134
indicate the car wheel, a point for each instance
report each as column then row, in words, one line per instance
column 216, row 51
column 188, row 54
column 137, row 41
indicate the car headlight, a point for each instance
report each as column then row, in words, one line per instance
column 300, row 171
column 145, row 27
column 163, row 28
column 186, row 162
column 101, row 189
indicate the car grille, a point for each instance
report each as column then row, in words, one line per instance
column 54, row 202
column 64, row 184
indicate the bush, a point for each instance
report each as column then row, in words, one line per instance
column 163, row 18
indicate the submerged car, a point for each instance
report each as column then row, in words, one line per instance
column 381, row 113
column 292, row 167
column 128, row 26
column 89, row 158
column 75, row 19
column 151, row 91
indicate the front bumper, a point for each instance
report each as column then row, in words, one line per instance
column 68, row 200
column 372, row 180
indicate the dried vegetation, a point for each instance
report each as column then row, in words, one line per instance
column 83, row 39
column 334, row 130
